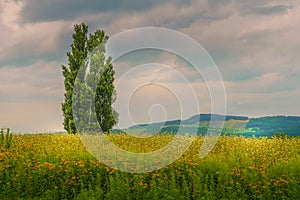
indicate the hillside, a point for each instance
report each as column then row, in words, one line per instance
column 233, row 125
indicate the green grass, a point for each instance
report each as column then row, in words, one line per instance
column 57, row 166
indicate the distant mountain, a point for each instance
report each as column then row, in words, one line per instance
column 233, row 125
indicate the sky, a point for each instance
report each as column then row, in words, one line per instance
column 255, row 45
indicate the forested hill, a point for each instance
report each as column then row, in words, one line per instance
column 193, row 120
column 238, row 125
column 285, row 124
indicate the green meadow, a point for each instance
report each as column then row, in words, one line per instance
column 58, row 166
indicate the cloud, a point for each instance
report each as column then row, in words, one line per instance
column 40, row 82
column 145, row 56
column 45, row 10
column 171, row 14
column 27, row 44
column 246, row 46
column 146, row 85
column 23, row 45
column 31, row 96
column 269, row 94
column 262, row 104
column 255, row 44
column 270, row 10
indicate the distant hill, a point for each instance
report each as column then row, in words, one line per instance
column 271, row 124
column 233, row 125
column 193, row 120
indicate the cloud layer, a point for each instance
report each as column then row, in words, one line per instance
column 254, row 43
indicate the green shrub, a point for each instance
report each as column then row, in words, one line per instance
column 280, row 136
column 6, row 139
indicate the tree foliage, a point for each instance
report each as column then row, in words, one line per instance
column 88, row 82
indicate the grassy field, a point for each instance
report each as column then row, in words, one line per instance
column 57, row 166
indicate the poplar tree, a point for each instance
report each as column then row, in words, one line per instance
column 88, row 83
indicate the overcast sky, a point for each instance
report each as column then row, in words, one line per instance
column 255, row 45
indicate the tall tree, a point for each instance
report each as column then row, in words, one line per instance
column 88, row 84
